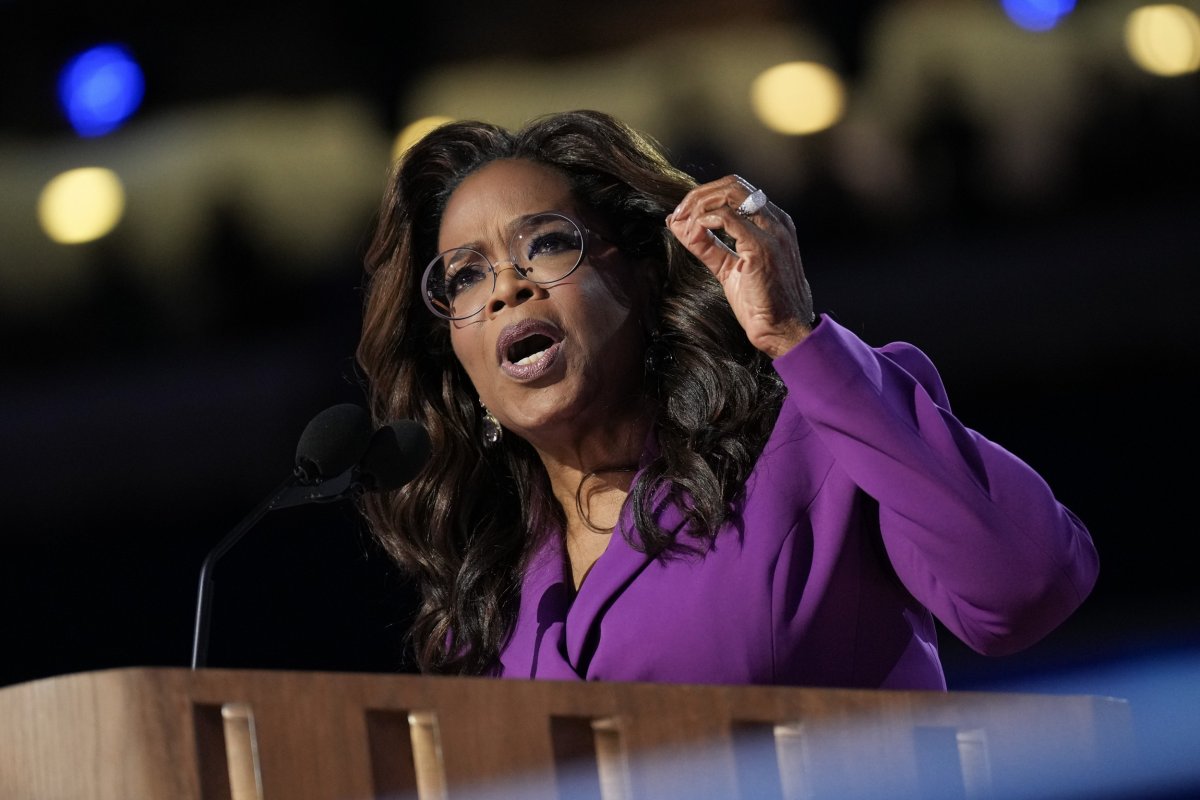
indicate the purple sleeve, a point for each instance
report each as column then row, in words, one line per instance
column 975, row 534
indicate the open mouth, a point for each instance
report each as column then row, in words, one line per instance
column 529, row 349
column 524, row 340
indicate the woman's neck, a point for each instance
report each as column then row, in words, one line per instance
column 591, row 479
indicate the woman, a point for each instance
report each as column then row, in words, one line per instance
column 652, row 460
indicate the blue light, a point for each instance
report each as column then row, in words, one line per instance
column 100, row 88
column 1037, row 15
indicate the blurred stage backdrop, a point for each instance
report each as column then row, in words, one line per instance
column 185, row 198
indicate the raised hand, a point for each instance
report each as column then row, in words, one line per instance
column 761, row 272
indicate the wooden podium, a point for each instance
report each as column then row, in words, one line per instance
column 180, row 734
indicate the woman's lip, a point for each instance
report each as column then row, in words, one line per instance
column 531, row 372
column 521, row 330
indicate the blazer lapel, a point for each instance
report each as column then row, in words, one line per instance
column 618, row 566
column 547, row 599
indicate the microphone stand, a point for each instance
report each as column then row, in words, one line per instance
column 292, row 492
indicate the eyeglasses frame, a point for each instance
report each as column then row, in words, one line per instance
column 493, row 267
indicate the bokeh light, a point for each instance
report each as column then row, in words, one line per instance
column 81, row 205
column 1164, row 39
column 100, row 88
column 1037, row 15
column 798, row 97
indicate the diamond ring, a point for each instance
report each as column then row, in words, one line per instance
column 753, row 204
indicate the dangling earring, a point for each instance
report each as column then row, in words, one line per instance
column 492, row 432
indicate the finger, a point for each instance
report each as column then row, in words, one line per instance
column 721, row 228
column 721, row 200
column 705, row 245
column 730, row 191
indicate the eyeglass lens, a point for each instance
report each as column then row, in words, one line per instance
column 544, row 248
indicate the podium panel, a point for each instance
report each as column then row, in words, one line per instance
column 216, row 734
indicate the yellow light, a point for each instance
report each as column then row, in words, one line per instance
column 414, row 131
column 1164, row 39
column 81, row 205
column 798, row 97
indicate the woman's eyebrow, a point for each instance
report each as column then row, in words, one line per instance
column 509, row 229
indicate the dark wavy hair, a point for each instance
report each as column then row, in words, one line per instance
column 465, row 525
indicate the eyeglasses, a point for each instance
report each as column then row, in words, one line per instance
column 545, row 248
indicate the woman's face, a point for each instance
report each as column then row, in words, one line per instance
column 553, row 362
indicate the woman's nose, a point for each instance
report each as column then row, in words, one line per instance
column 512, row 288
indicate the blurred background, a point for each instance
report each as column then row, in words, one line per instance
column 186, row 195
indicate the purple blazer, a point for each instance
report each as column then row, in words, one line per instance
column 871, row 511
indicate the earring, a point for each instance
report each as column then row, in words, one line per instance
column 492, row 432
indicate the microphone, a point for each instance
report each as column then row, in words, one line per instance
column 396, row 453
column 332, row 442
column 337, row 455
